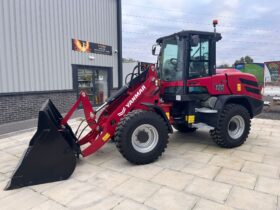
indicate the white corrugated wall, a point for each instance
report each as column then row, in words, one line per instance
column 35, row 41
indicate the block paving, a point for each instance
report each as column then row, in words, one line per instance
column 192, row 174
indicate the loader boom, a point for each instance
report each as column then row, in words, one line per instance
column 133, row 96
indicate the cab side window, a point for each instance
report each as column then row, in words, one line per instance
column 199, row 59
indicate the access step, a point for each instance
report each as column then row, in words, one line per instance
column 206, row 110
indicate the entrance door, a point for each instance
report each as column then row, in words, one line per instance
column 94, row 81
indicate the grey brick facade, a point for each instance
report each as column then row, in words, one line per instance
column 23, row 106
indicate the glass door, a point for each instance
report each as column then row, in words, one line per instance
column 94, row 81
column 85, row 82
column 100, row 86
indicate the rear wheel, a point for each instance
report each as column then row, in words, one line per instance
column 141, row 136
column 183, row 128
column 233, row 126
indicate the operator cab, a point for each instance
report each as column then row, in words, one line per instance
column 184, row 56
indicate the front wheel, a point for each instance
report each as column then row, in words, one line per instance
column 141, row 136
column 233, row 126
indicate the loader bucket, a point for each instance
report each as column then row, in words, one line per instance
column 52, row 152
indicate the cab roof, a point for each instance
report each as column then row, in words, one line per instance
column 186, row 33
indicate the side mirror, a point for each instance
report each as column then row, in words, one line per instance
column 155, row 49
column 195, row 40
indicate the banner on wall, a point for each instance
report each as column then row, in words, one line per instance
column 90, row 47
column 256, row 69
column 272, row 73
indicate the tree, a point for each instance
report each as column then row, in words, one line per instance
column 223, row 66
column 246, row 59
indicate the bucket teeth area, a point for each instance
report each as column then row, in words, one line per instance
column 51, row 155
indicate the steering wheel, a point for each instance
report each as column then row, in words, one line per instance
column 173, row 61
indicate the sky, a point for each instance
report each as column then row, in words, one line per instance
column 248, row 27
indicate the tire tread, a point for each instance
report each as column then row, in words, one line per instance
column 121, row 128
column 217, row 133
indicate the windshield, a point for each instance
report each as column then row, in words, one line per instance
column 168, row 61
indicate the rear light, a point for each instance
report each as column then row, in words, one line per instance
column 238, row 87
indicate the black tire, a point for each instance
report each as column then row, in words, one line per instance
column 127, row 126
column 112, row 140
column 184, row 128
column 220, row 134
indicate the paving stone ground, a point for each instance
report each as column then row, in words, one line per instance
column 193, row 173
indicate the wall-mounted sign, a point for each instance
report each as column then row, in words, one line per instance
column 272, row 73
column 90, row 47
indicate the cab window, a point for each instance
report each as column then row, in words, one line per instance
column 199, row 59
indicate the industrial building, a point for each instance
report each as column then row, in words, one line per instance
column 54, row 49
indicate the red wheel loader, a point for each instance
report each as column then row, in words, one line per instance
column 183, row 90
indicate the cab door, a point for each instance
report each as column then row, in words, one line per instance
column 199, row 69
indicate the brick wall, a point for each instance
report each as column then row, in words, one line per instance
column 25, row 106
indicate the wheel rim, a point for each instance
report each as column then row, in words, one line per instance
column 145, row 138
column 236, row 127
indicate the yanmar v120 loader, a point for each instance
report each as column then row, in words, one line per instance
column 183, row 90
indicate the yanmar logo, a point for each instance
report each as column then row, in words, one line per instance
column 132, row 100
